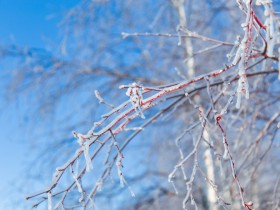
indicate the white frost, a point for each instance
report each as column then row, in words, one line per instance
column 136, row 98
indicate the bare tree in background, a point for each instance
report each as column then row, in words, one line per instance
column 194, row 123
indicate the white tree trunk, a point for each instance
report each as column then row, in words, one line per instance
column 209, row 165
column 186, row 42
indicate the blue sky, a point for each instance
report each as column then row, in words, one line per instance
column 31, row 23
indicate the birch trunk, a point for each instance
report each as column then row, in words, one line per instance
column 188, row 48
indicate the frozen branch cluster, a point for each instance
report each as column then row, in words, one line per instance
column 136, row 98
column 253, row 28
column 219, row 89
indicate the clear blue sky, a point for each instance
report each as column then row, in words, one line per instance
column 27, row 22
column 24, row 23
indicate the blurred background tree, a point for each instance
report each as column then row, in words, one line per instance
column 104, row 44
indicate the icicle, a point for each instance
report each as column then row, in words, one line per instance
column 101, row 100
column 78, row 137
column 225, row 156
column 237, row 56
column 98, row 96
column 50, row 200
column 83, row 141
column 174, row 187
column 131, row 191
column 246, row 86
column 239, row 93
column 172, row 175
column 123, row 182
column 87, row 157
column 119, row 165
column 243, row 86
column 134, row 129
column 231, row 53
column 79, row 187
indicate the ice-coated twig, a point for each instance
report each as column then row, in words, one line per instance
column 94, row 136
column 232, row 52
column 195, row 149
column 101, row 100
column 227, row 152
column 166, row 116
column 119, row 117
column 187, row 35
column 246, row 51
column 60, row 204
column 78, row 184
column 210, row 95
column 202, row 51
column 120, row 165
column 84, row 141
column 230, row 100
column 179, row 73
column 180, row 165
column 243, row 52
column 259, row 137
column 221, row 201
column 108, row 169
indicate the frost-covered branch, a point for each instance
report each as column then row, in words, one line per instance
column 204, row 103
